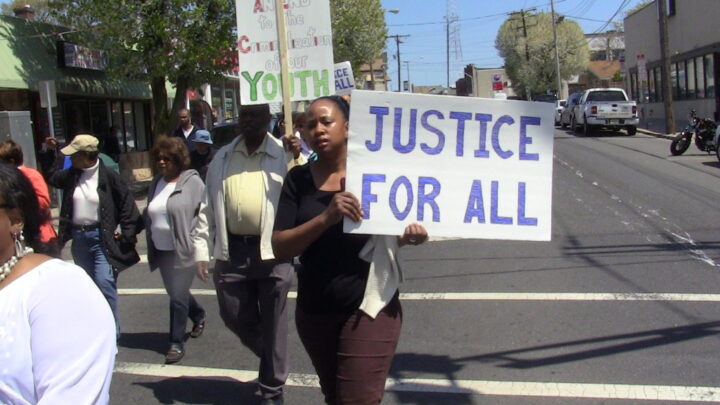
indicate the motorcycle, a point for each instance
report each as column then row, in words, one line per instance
column 704, row 130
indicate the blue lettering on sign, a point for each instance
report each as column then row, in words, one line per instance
column 379, row 113
column 505, row 119
column 441, row 136
column 401, row 181
column 522, row 219
column 461, row 117
column 475, row 206
column 397, row 135
column 367, row 195
column 526, row 140
column 397, row 141
column 495, row 218
column 482, row 151
column 343, row 83
column 428, row 197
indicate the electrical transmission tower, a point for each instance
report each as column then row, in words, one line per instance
column 452, row 36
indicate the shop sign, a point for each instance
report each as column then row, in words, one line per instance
column 72, row 55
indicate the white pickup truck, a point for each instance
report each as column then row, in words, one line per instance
column 608, row 108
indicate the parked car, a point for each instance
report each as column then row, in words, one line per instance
column 559, row 107
column 605, row 108
column 223, row 134
column 545, row 98
column 568, row 111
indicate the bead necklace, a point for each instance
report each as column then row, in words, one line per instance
column 7, row 267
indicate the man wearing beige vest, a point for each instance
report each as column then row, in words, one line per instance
column 235, row 224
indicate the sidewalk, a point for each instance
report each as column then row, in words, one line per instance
column 655, row 134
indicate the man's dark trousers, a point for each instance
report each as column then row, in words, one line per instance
column 252, row 296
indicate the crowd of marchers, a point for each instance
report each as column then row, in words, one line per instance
column 264, row 208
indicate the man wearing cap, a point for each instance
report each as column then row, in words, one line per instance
column 202, row 155
column 235, row 224
column 95, row 203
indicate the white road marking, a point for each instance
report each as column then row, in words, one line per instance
column 475, row 387
column 494, row 296
column 650, row 213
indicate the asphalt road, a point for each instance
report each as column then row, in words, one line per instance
column 621, row 307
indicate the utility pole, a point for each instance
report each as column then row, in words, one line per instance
column 447, row 50
column 527, row 48
column 407, row 65
column 397, row 55
column 665, row 69
column 557, row 52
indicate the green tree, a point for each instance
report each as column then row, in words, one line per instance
column 538, row 73
column 359, row 31
column 184, row 42
column 637, row 7
column 40, row 7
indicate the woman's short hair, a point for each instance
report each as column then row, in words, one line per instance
column 16, row 191
column 339, row 101
column 11, row 152
column 174, row 148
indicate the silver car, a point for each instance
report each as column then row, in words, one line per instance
column 566, row 116
column 559, row 106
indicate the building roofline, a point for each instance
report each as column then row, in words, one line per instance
column 638, row 10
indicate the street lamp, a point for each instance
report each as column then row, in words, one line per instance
column 397, row 45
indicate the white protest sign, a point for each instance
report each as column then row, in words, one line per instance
column 48, row 94
column 309, row 55
column 344, row 80
column 462, row 166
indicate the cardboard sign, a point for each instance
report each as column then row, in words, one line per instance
column 310, row 53
column 48, row 94
column 462, row 166
column 344, row 80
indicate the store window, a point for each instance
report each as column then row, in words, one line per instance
column 700, row 77
column 709, row 76
column 690, row 78
column 230, row 104
column 634, row 86
column 128, row 122
column 673, row 80
column 658, row 84
column 681, row 81
column 651, row 85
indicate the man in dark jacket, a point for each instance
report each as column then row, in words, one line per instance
column 186, row 129
column 96, row 202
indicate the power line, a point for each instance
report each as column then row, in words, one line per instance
column 466, row 19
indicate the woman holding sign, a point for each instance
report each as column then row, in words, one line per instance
column 348, row 313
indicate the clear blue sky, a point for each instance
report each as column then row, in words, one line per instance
column 479, row 21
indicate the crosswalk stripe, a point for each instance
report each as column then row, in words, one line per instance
column 475, row 387
column 497, row 296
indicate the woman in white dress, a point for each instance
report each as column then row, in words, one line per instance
column 57, row 333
